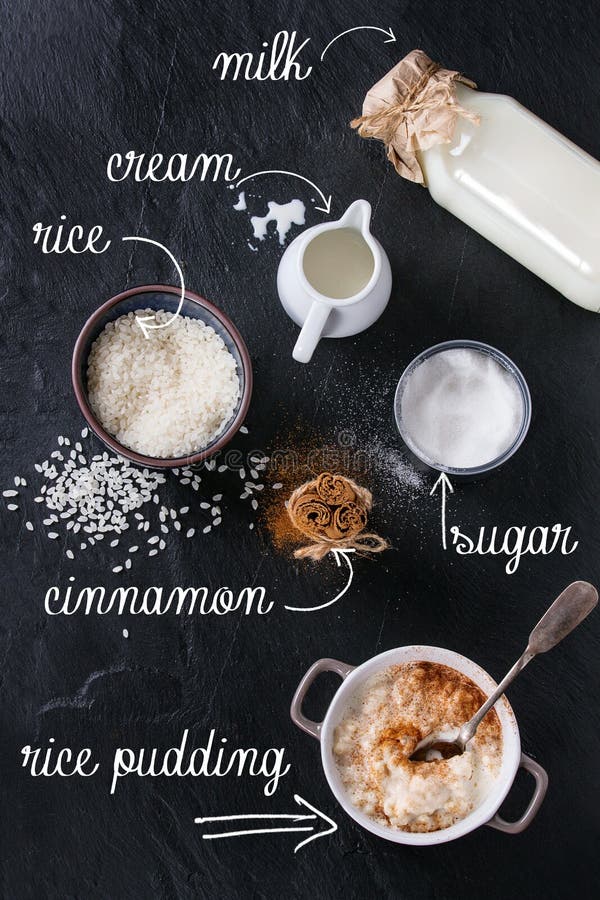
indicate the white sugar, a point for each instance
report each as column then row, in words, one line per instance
column 461, row 408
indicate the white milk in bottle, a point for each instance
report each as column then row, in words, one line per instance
column 496, row 166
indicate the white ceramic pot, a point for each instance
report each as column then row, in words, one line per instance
column 322, row 316
column 512, row 757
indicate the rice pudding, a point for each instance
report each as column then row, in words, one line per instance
column 387, row 717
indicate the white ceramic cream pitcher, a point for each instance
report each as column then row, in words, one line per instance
column 334, row 280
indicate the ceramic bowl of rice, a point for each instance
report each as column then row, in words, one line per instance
column 161, row 389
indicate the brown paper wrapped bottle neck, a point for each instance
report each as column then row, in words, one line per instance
column 413, row 108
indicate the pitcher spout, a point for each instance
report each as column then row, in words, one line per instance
column 358, row 215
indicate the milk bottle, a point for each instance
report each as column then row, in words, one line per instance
column 496, row 166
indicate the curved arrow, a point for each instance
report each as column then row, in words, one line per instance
column 337, row 554
column 141, row 320
column 389, row 32
column 326, row 208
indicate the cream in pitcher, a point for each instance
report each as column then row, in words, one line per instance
column 334, row 280
column 496, row 166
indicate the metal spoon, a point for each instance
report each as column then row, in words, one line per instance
column 568, row 610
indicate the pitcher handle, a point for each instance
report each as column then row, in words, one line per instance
column 541, row 785
column 322, row 665
column 311, row 332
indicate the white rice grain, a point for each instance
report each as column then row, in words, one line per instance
column 167, row 395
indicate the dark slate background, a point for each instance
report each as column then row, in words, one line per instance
column 81, row 80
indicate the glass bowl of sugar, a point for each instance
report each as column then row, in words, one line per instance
column 462, row 407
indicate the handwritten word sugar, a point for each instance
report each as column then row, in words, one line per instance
column 516, row 542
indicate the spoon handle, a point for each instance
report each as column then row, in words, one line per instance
column 568, row 610
column 469, row 728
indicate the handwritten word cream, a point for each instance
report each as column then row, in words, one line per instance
column 178, row 167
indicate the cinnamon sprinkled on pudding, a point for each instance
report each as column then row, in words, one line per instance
column 391, row 713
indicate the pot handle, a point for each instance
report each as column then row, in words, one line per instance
column 321, row 665
column 541, row 785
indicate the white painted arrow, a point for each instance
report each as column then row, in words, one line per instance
column 314, row 815
column 446, row 485
column 337, row 554
column 389, row 32
column 142, row 320
column 326, row 208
